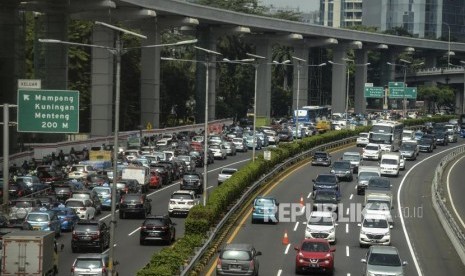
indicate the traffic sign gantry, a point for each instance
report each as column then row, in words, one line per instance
column 398, row 93
column 50, row 111
column 374, row 92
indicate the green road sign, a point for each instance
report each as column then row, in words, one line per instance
column 50, row 111
column 398, row 93
column 396, row 84
column 374, row 92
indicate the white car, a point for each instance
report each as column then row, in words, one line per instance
column 321, row 224
column 374, row 229
column 362, row 139
column 219, row 151
column 402, row 163
column 83, row 207
column 80, row 171
column 372, row 151
column 181, row 202
column 225, row 174
column 240, row 144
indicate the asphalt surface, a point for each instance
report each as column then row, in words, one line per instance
column 130, row 255
column 452, row 184
column 426, row 237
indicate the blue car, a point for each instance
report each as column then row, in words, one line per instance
column 265, row 209
column 104, row 194
column 462, row 132
column 44, row 220
column 68, row 217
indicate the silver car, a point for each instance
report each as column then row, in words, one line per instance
column 238, row 259
column 383, row 260
column 92, row 264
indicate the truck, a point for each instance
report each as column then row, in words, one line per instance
column 139, row 173
column 29, row 253
column 379, row 186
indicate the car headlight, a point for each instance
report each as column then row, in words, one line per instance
column 331, row 230
column 333, row 171
column 363, row 232
column 347, row 172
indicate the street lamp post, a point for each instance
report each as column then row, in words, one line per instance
column 297, row 100
column 448, row 45
column 463, row 94
column 254, row 135
column 118, row 51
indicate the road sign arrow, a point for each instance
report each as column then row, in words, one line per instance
column 26, row 97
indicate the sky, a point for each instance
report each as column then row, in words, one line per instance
column 303, row 5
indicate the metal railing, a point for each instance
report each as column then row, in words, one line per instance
column 448, row 222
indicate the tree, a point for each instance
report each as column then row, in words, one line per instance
column 436, row 98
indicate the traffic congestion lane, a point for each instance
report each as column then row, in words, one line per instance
column 131, row 256
column 455, row 190
column 279, row 259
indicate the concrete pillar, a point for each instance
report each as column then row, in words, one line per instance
column 339, row 78
column 459, row 102
column 361, row 57
column 56, row 55
column 150, row 76
column 207, row 40
column 102, row 83
column 300, row 80
column 264, row 48
column 388, row 73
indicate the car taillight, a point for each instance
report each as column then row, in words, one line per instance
column 82, row 209
column 72, row 269
column 96, row 235
column 104, row 270
column 218, row 263
column 251, row 264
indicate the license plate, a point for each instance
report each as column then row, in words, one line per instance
column 85, row 238
column 36, row 227
column 153, row 234
column 235, row 267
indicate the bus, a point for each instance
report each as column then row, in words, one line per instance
column 311, row 114
column 388, row 134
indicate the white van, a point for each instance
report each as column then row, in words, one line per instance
column 390, row 163
column 408, row 135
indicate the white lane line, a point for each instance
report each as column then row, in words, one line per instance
column 347, row 212
column 351, row 196
column 279, row 272
column 399, row 207
column 133, row 232
column 209, row 187
column 303, row 210
column 296, row 225
column 309, row 195
column 109, row 249
column 347, row 228
column 348, row 274
column 287, row 249
column 449, row 194
column 347, row 251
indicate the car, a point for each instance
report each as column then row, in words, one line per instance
column 326, row 200
column 192, row 181
column 251, row 142
column 362, row 139
column 374, row 230
column 326, row 181
column 67, row 216
column 93, row 197
column 418, row 135
column 265, row 209
column 321, row 224
column 181, row 202
column 343, row 170
column 44, row 219
column 219, row 151
column 321, row 158
column 63, row 191
column 157, row 228
column 80, row 171
column 372, row 151
column 94, row 234
column 452, row 136
column 135, row 204
column 240, row 144
column 18, row 189
column 46, row 201
column 225, row 174
column 409, row 150
column 93, row 180
column 30, row 181
column 238, row 259
column 230, row 148
column 125, row 186
column 383, row 260
column 355, row 159
column 188, row 160
column 425, row 145
column 314, row 255
column 285, row 135
column 92, row 264
column 83, row 207
column 432, row 137
column 263, row 138
column 104, row 195
column 441, row 138
column 19, row 208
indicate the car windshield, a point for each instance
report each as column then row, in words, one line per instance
column 74, row 203
column 320, row 155
column 351, row 157
column 315, row 247
column 63, row 212
column 131, row 198
column 88, row 263
column 379, row 182
column 236, row 255
column 78, row 169
column 215, row 146
column 184, row 158
column 367, row 175
column 326, row 178
column 81, row 196
column 371, row 147
column 228, row 171
column 264, row 202
column 363, row 135
column 22, row 204
column 37, row 217
column 384, row 259
column 375, row 223
column 317, row 220
column 341, row 166
column 389, row 161
column 378, row 205
column 181, row 196
column 86, row 227
column 426, row 141
column 191, row 177
column 407, row 147
column 101, row 190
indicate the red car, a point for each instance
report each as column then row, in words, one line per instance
column 314, row 255
column 155, row 180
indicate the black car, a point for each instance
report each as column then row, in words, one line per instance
column 47, row 201
column 18, row 189
column 127, row 186
column 164, row 170
column 157, row 228
column 198, row 156
column 343, row 170
column 63, row 191
column 326, row 200
column 285, row 135
column 135, row 204
column 432, row 137
column 425, row 144
column 90, row 234
column 321, row 158
column 192, row 181
column 326, row 181
column 441, row 138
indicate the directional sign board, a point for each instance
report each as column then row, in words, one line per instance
column 398, row 93
column 374, row 92
column 396, row 84
column 50, row 111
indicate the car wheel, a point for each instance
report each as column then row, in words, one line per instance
column 297, row 270
column 141, row 242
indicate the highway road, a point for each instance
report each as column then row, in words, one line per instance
column 426, row 237
column 454, row 189
column 132, row 256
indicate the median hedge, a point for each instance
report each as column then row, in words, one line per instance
column 201, row 219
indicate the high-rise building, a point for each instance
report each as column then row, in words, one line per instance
column 340, row 13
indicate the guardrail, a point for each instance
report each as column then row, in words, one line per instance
column 277, row 169
column 448, row 222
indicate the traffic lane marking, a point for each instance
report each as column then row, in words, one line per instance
column 449, row 193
